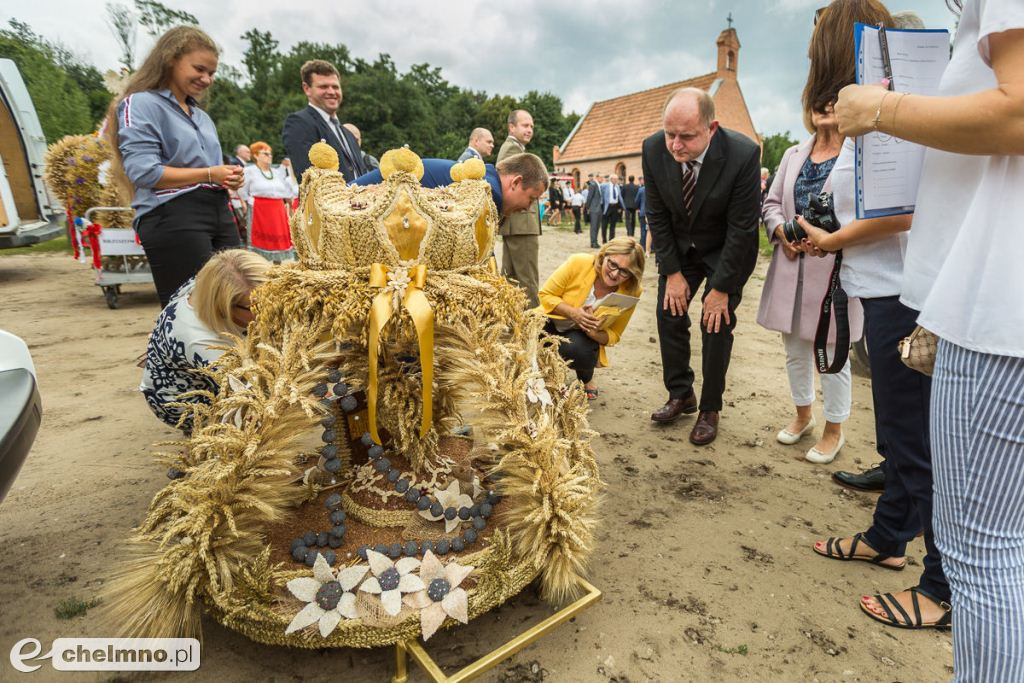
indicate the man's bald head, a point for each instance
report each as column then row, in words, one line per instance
column 482, row 141
column 689, row 121
column 355, row 132
column 690, row 100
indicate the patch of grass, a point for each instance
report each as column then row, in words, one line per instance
column 56, row 245
column 738, row 650
column 764, row 245
column 69, row 608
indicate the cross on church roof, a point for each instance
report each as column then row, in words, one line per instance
column 729, row 19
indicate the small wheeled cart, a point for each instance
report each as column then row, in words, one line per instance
column 117, row 255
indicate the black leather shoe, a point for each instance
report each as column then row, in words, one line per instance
column 872, row 480
column 675, row 407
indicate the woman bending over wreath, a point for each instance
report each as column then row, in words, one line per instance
column 569, row 296
column 200, row 316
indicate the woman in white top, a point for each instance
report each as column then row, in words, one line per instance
column 268, row 192
column 199, row 317
column 872, row 271
column 576, row 204
column 965, row 273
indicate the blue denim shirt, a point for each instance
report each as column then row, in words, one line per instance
column 153, row 132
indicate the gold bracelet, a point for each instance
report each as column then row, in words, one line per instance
column 878, row 112
column 896, row 109
column 209, row 175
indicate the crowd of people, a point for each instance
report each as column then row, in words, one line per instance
column 950, row 443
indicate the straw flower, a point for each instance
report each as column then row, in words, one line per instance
column 442, row 596
column 391, row 579
column 329, row 597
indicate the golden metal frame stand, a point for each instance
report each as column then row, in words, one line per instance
column 415, row 649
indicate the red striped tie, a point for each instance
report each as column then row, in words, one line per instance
column 689, row 184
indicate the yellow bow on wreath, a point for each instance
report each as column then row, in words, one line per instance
column 407, row 288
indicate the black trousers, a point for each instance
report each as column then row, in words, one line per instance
column 901, row 399
column 576, row 215
column 179, row 236
column 595, row 225
column 608, row 221
column 630, row 219
column 580, row 351
column 674, row 334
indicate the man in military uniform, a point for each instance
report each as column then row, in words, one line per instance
column 520, row 232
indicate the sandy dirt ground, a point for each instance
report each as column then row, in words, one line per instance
column 704, row 554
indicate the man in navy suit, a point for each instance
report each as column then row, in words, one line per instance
column 319, row 121
column 516, row 181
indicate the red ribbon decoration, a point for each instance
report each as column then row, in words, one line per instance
column 73, row 234
column 92, row 233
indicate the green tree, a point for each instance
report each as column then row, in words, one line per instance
column 773, row 147
column 121, row 21
column 62, row 107
column 156, row 17
column 493, row 115
column 550, row 126
column 261, row 61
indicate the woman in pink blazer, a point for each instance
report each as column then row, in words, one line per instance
column 794, row 287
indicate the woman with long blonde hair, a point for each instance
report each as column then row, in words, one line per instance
column 201, row 316
column 168, row 156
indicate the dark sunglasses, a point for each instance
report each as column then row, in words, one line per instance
column 817, row 14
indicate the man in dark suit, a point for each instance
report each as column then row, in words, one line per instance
column 594, row 208
column 629, row 191
column 611, row 207
column 703, row 203
column 319, row 121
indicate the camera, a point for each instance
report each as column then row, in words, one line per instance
column 820, row 212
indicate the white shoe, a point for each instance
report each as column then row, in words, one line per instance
column 816, row 456
column 789, row 438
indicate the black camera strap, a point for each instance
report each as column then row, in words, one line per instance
column 835, row 299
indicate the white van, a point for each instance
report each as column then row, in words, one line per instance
column 28, row 215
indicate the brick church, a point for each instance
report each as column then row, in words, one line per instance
column 609, row 136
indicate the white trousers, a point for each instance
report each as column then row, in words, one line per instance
column 801, row 370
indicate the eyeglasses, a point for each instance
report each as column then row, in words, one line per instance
column 817, row 14
column 615, row 270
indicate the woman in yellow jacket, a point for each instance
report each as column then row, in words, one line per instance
column 568, row 298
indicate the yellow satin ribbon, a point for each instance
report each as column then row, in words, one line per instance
column 381, row 310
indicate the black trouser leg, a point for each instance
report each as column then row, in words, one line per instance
column 716, row 350
column 580, row 351
column 595, row 224
column 630, row 221
column 674, row 337
column 902, row 398
column 576, row 216
column 181, row 235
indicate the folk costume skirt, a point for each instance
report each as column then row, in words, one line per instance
column 269, row 233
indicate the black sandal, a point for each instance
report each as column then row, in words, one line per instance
column 916, row 623
column 834, row 552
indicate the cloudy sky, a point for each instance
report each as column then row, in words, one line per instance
column 582, row 51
